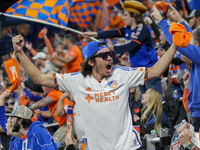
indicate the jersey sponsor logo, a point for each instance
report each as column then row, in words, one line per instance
column 105, row 97
column 113, row 84
column 88, row 89
column 102, row 97
column 88, row 98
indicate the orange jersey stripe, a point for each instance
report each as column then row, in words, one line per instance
column 136, row 41
column 119, row 32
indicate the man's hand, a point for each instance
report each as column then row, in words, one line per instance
column 156, row 14
column 186, row 78
column 69, row 139
column 22, row 85
column 18, row 43
column 110, row 46
column 4, row 97
column 28, row 45
column 186, row 61
column 87, row 35
column 136, row 118
column 148, row 20
column 160, row 52
column 54, row 55
column 169, row 79
column 175, row 15
column 45, row 32
column 184, row 135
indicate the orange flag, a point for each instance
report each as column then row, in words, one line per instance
column 13, row 71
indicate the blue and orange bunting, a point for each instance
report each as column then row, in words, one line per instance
column 82, row 13
column 112, row 2
column 102, row 18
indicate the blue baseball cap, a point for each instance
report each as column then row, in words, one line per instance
column 91, row 48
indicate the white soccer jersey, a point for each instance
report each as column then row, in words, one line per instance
column 104, row 106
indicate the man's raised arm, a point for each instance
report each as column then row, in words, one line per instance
column 162, row 64
column 31, row 70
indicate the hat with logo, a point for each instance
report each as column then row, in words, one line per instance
column 39, row 55
column 134, row 6
column 194, row 13
column 91, row 48
column 22, row 112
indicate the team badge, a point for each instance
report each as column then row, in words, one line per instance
column 113, row 84
column 137, row 33
column 133, row 34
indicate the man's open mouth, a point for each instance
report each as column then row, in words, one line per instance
column 109, row 66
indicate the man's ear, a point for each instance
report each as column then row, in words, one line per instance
column 91, row 62
column 197, row 44
column 20, row 120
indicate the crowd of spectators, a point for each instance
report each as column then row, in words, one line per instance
column 140, row 37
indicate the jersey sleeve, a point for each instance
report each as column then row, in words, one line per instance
column 54, row 95
column 133, row 76
column 137, row 40
column 65, row 82
column 119, row 32
column 73, row 52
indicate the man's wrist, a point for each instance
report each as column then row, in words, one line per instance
column 180, row 20
column 188, row 146
column 160, row 19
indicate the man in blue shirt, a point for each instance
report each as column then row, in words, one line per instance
column 192, row 52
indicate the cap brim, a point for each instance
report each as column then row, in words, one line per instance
column 189, row 17
column 34, row 58
column 9, row 114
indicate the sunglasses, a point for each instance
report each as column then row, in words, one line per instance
column 105, row 55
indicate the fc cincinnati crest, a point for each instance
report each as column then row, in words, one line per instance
column 113, row 84
column 133, row 34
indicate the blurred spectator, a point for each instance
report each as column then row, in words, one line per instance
column 185, row 136
column 194, row 18
column 44, row 64
column 11, row 142
column 51, row 99
column 73, row 118
column 155, row 34
column 73, row 58
column 150, row 114
column 191, row 52
column 135, row 103
column 31, row 132
column 186, row 78
column 115, row 21
column 70, row 141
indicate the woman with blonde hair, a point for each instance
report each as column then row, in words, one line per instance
column 150, row 114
